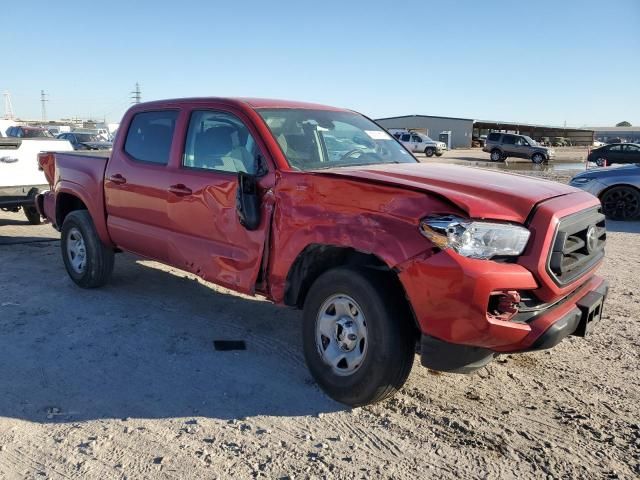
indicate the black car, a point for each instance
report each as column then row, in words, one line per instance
column 85, row 141
column 615, row 153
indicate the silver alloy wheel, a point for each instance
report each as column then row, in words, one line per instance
column 495, row 156
column 76, row 250
column 537, row 158
column 341, row 334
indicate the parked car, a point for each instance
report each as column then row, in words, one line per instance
column 419, row 142
column 504, row 145
column 616, row 153
column 20, row 177
column 85, row 141
column 617, row 188
column 380, row 251
column 19, row 131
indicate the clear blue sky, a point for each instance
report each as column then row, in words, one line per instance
column 536, row 61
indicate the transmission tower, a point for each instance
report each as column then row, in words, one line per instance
column 136, row 95
column 43, row 101
column 8, row 108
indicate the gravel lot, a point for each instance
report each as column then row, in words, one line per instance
column 124, row 382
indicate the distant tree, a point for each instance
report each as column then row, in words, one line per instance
column 623, row 124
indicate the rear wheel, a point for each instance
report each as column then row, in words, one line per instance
column 357, row 338
column 601, row 161
column 621, row 203
column 429, row 151
column 30, row 211
column 88, row 261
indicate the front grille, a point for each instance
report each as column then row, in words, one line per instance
column 578, row 245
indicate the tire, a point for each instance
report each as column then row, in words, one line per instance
column 31, row 212
column 375, row 322
column 621, row 203
column 538, row 158
column 601, row 162
column 32, row 215
column 429, row 151
column 88, row 261
column 496, row 155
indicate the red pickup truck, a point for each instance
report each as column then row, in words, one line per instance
column 319, row 208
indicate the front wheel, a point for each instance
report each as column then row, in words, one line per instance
column 88, row 261
column 601, row 162
column 429, row 151
column 621, row 203
column 357, row 337
column 537, row 158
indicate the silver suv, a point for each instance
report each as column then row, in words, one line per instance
column 504, row 145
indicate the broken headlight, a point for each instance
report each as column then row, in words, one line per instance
column 475, row 238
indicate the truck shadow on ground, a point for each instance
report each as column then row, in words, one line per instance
column 142, row 347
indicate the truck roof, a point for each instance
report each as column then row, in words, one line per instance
column 253, row 103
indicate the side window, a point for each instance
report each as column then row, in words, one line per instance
column 415, row 138
column 149, row 136
column 521, row 141
column 508, row 139
column 615, row 148
column 405, row 137
column 493, row 137
column 219, row 141
column 631, row 149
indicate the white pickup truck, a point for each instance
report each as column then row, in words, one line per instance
column 20, row 176
column 419, row 142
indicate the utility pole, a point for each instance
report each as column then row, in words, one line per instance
column 43, row 101
column 136, row 95
column 8, row 108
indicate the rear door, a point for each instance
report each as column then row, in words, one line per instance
column 509, row 145
column 631, row 153
column 136, row 184
column 206, row 236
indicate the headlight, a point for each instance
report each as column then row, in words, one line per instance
column 580, row 180
column 473, row 238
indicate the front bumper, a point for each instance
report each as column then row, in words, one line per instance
column 584, row 313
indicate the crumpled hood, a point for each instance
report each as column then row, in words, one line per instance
column 482, row 193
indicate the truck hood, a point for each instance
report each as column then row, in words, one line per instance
column 481, row 193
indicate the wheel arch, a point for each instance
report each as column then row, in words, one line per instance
column 610, row 187
column 65, row 204
column 316, row 259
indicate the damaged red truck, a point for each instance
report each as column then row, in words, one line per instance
column 321, row 209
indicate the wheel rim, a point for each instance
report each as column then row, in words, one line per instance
column 341, row 334
column 76, row 250
column 600, row 162
column 621, row 203
column 495, row 156
column 537, row 158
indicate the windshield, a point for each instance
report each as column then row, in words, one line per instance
column 88, row 137
column 315, row 139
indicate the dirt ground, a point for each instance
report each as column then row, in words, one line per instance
column 124, row 382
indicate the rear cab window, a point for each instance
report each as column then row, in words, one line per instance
column 150, row 135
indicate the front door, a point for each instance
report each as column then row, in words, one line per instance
column 136, row 182
column 206, row 236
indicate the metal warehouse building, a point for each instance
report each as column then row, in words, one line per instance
column 461, row 128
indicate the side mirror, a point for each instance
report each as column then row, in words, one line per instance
column 247, row 199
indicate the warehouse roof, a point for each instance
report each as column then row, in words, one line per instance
column 424, row 116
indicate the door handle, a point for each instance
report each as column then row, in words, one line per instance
column 180, row 190
column 117, row 179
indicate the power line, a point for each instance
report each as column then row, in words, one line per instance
column 136, row 95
